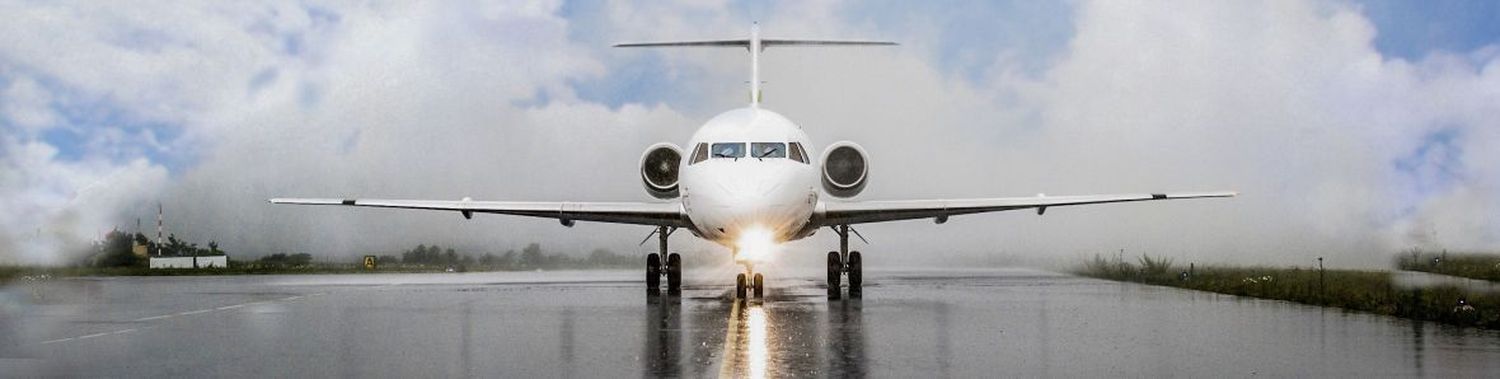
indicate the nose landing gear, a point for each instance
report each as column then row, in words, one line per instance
column 656, row 268
column 749, row 283
column 845, row 263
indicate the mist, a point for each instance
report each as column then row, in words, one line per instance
column 1338, row 150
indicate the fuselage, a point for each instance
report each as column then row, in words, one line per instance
column 748, row 178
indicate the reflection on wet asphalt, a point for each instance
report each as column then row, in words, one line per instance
column 970, row 323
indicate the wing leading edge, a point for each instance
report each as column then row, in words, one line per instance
column 657, row 214
column 846, row 213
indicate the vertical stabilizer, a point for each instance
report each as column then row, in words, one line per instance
column 755, row 49
column 756, row 45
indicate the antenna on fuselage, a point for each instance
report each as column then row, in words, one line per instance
column 755, row 45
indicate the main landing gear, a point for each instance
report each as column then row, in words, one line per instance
column 845, row 263
column 656, row 269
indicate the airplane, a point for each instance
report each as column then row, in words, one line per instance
column 749, row 182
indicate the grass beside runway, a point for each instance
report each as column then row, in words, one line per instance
column 9, row 274
column 20, row 273
column 1365, row 291
column 1466, row 265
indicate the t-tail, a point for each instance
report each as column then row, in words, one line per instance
column 755, row 45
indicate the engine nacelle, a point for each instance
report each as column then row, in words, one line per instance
column 846, row 169
column 659, row 169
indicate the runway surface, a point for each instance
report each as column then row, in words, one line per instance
column 942, row 323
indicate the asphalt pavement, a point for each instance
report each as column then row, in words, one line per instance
column 910, row 323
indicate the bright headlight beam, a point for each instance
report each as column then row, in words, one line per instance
column 756, row 244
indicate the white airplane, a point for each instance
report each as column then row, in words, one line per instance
column 750, row 182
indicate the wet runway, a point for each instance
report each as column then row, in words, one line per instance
column 971, row 323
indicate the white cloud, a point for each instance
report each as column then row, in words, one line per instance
column 1287, row 102
column 53, row 206
column 27, row 105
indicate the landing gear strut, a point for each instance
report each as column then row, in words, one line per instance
column 656, row 267
column 845, row 263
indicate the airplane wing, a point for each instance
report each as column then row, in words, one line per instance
column 861, row 212
column 657, row 214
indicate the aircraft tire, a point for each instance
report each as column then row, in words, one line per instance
column 739, row 286
column 760, row 286
column 674, row 273
column 653, row 271
column 835, row 269
column 856, row 275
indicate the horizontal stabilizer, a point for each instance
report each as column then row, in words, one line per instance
column 763, row 43
column 811, row 42
column 723, row 43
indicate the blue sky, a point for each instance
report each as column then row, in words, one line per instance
column 1412, row 29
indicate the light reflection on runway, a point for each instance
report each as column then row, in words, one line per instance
column 791, row 337
column 755, row 345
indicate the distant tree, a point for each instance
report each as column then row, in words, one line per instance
column 285, row 260
column 176, row 247
column 599, row 257
column 531, row 256
column 301, row 259
column 114, row 251
column 451, row 257
column 414, row 256
column 508, row 260
column 386, row 260
column 604, row 257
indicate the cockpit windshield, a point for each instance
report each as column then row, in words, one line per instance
column 729, row 150
column 768, row 150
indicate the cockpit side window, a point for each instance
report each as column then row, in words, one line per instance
column 728, row 150
column 700, row 153
column 764, row 150
column 796, row 152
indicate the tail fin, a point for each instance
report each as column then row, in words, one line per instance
column 755, row 45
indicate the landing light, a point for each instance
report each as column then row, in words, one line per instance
column 756, row 244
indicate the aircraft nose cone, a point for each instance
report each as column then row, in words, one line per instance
column 748, row 190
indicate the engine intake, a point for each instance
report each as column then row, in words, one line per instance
column 659, row 169
column 846, row 169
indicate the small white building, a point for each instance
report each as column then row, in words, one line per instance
column 215, row 261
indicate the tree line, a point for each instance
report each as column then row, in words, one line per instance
column 529, row 258
column 117, row 250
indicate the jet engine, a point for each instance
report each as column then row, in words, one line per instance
column 659, row 168
column 846, row 169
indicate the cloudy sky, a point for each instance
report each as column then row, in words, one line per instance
column 1354, row 130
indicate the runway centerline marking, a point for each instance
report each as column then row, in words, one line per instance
column 194, row 312
column 167, row 316
column 152, row 318
column 731, row 339
column 94, row 335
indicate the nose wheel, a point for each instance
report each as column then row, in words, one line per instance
column 845, row 264
column 749, row 283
